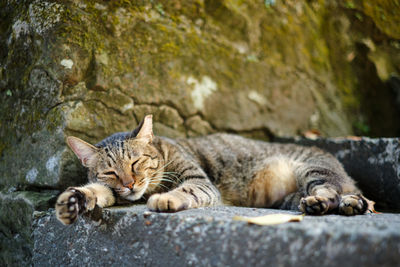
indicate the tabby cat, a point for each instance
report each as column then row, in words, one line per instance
column 198, row 172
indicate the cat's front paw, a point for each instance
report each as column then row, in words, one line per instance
column 352, row 205
column 314, row 205
column 166, row 202
column 70, row 204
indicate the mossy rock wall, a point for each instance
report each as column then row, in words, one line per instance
column 260, row 69
column 257, row 68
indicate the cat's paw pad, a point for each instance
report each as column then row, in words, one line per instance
column 69, row 204
column 166, row 202
column 352, row 205
column 314, row 205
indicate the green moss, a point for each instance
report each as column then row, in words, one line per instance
column 385, row 14
column 362, row 128
column 349, row 4
column 334, row 28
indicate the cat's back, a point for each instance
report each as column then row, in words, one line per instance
column 232, row 145
column 223, row 143
column 230, row 151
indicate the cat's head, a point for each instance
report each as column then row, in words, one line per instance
column 126, row 162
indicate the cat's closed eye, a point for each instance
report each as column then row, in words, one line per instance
column 111, row 173
column 133, row 165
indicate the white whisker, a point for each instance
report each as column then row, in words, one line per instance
column 160, row 185
column 161, row 176
column 159, row 179
column 165, row 165
column 172, row 174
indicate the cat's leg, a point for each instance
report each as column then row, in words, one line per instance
column 328, row 200
column 291, row 201
column 77, row 200
column 321, row 192
column 328, row 189
column 353, row 204
column 192, row 193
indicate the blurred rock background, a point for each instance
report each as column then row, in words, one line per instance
column 262, row 69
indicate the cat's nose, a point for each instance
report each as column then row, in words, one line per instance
column 130, row 185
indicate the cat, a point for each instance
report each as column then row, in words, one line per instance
column 206, row 171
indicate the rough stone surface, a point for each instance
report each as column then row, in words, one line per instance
column 209, row 237
column 373, row 162
column 17, row 211
column 258, row 68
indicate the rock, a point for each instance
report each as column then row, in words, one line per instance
column 209, row 237
column 196, row 126
column 16, row 217
column 373, row 162
column 258, row 68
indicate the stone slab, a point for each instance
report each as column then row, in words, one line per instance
column 17, row 210
column 131, row 236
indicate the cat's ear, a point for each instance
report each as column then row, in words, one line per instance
column 86, row 152
column 145, row 129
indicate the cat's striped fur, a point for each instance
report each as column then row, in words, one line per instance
column 205, row 171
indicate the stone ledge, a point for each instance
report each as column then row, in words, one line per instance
column 131, row 236
column 17, row 211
